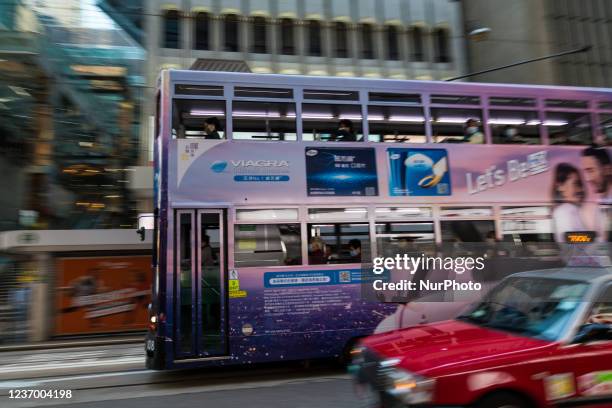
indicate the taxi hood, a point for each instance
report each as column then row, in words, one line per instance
column 453, row 346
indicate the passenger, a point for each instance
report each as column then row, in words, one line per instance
column 472, row 133
column 355, row 250
column 510, row 134
column 212, row 127
column 316, row 252
column 208, row 256
column 344, row 133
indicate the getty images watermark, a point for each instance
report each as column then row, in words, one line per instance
column 411, row 265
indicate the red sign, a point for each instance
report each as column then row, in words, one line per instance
column 102, row 294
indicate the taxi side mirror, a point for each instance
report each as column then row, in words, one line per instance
column 593, row 332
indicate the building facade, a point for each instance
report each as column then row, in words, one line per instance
column 525, row 29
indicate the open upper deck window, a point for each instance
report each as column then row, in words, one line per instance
column 515, row 127
column 263, row 121
column 332, row 122
column 198, row 118
column 396, row 124
column 457, row 125
column 569, row 128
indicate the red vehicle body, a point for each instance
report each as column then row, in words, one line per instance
column 464, row 363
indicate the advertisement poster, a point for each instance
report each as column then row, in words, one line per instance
column 102, row 294
column 341, row 172
column 419, row 172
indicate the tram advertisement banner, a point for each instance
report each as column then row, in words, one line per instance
column 419, row 172
column 341, row 171
column 102, row 294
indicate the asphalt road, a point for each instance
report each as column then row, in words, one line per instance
column 115, row 377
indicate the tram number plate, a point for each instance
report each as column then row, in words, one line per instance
column 150, row 345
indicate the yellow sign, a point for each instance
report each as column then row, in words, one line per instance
column 559, row 386
column 238, row 294
column 234, row 285
column 585, row 237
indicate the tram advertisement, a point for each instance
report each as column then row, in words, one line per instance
column 102, row 294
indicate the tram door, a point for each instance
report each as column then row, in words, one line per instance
column 200, row 284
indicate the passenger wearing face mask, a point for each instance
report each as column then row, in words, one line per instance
column 355, row 250
column 510, row 135
column 472, row 133
column 316, row 252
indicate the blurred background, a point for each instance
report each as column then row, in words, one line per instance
column 77, row 80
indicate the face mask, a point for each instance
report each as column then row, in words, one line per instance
column 471, row 130
column 511, row 132
column 354, row 252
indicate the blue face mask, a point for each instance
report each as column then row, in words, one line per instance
column 354, row 252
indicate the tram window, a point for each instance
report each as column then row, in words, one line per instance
column 337, row 214
column 455, row 99
column 605, row 105
column 400, row 238
column 466, row 212
column 508, row 101
column 605, row 123
column 331, row 122
column 383, row 213
column 451, row 125
column 267, row 245
column 267, row 214
column 263, row 121
column 338, row 243
column 525, row 211
column 514, row 127
column 203, row 119
column 332, row 95
column 396, row 124
column 414, row 99
column 566, row 103
column 569, row 128
column 458, row 231
column 263, row 92
column 528, row 230
column 202, row 90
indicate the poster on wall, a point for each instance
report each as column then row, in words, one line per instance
column 334, row 171
column 102, row 294
column 418, row 172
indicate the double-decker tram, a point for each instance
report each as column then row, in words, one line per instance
column 272, row 191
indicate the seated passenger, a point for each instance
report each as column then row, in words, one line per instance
column 355, row 250
column 509, row 134
column 472, row 133
column 316, row 252
column 344, row 133
column 212, row 126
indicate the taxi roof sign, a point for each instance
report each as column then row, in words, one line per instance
column 580, row 237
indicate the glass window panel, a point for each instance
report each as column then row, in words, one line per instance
column 287, row 36
column 466, row 212
column 185, row 282
column 314, row 38
column 402, row 212
column 467, row 230
column 605, row 122
column 402, row 238
column 605, row 105
column 441, row 42
column 263, row 121
column 231, row 33
column 323, row 122
column 367, row 41
column 523, row 211
column 455, row 99
column 172, row 29
column 328, row 94
column 566, row 103
column 393, row 52
column 202, row 31
column 450, row 125
column 416, row 44
column 396, row 124
column 509, row 101
column 395, row 97
column 250, row 92
column 337, row 214
column 338, row 243
column 212, row 340
column 515, row 127
column 569, row 128
column 202, row 90
column 341, row 37
column 267, row 245
column 260, row 35
column 204, row 119
column 267, row 214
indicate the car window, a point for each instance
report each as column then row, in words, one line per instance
column 601, row 312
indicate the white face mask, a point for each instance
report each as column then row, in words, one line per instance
column 511, row 132
column 354, row 252
column 471, row 130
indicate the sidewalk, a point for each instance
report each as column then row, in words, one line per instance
column 76, row 342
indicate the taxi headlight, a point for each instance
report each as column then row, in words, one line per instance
column 410, row 388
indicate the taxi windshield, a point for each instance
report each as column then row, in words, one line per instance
column 534, row 307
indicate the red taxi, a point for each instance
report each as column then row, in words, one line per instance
column 538, row 339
